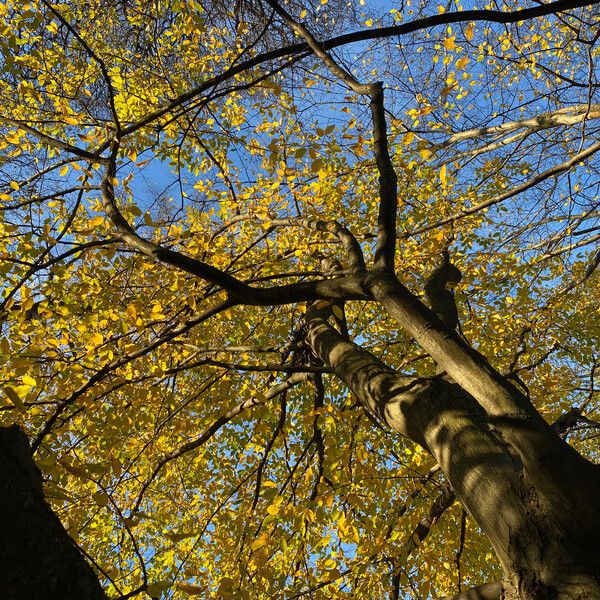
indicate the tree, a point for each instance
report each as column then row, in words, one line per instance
column 228, row 235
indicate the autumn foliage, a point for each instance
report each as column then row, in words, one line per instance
column 203, row 210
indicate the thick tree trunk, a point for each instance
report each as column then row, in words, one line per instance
column 38, row 559
column 548, row 549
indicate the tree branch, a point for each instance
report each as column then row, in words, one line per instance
column 238, row 291
column 569, row 115
column 38, row 558
column 348, row 241
column 553, row 465
column 439, row 416
column 215, row 426
column 380, row 389
column 121, row 361
column 53, row 142
column 385, row 248
column 440, row 505
column 319, row 51
column 515, row 191
column 388, row 192
column 465, row 16
column 94, row 57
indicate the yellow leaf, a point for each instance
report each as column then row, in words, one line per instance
column 95, row 340
column 14, row 398
column 443, row 175
column 408, row 138
column 259, row 542
column 14, row 185
column 469, row 31
column 321, row 304
column 131, row 311
column 449, row 43
column 64, row 171
column 96, row 221
column 28, row 380
column 71, row 120
column 462, row 62
column 446, row 90
column 191, row 590
column 156, row 589
column 316, row 165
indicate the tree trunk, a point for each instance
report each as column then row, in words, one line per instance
column 38, row 559
column 545, row 532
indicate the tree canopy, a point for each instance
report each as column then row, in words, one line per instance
column 204, row 207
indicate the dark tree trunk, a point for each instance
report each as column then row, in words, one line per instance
column 38, row 559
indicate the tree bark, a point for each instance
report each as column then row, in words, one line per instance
column 38, row 559
column 548, row 550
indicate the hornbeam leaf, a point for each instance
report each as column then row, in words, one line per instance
column 14, row 398
column 338, row 312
